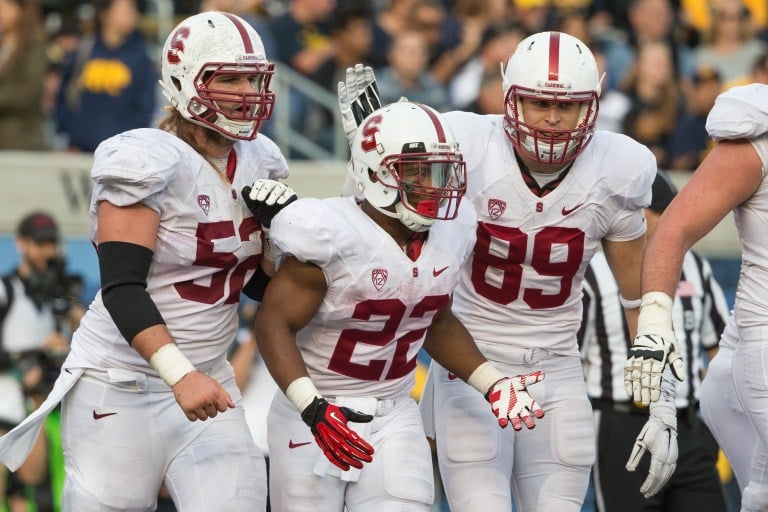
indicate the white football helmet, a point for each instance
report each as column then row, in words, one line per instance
column 204, row 46
column 551, row 66
column 404, row 156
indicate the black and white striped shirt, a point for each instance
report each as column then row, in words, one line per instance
column 698, row 315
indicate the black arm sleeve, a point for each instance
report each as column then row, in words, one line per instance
column 124, row 268
column 257, row 285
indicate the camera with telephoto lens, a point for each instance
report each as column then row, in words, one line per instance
column 55, row 286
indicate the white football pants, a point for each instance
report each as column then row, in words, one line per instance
column 399, row 479
column 483, row 466
column 124, row 435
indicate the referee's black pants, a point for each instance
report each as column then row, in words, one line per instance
column 695, row 485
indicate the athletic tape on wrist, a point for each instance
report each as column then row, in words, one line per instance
column 655, row 314
column 301, row 393
column 484, row 376
column 171, row 364
column 630, row 304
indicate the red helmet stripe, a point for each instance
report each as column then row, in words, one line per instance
column 554, row 56
column 247, row 44
column 435, row 121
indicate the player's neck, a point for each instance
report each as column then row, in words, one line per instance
column 392, row 226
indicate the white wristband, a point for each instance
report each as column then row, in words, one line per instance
column 301, row 393
column 171, row 364
column 630, row 304
column 655, row 314
column 484, row 376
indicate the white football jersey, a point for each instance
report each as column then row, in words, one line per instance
column 522, row 286
column 739, row 113
column 364, row 339
column 208, row 244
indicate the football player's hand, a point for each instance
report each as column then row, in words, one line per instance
column 339, row 443
column 201, row 397
column 265, row 198
column 659, row 437
column 358, row 97
column 645, row 364
column 510, row 400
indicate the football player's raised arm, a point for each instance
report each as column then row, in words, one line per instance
column 625, row 258
column 727, row 177
column 292, row 298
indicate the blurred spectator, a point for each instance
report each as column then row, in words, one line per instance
column 39, row 310
column 393, row 18
column 23, row 65
column 475, row 18
column 407, row 73
column 302, row 36
column 431, row 19
column 351, row 35
column 532, row 15
column 350, row 30
column 654, row 93
column 699, row 13
column 760, row 69
column 690, row 142
column 650, row 21
column 614, row 104
column 109, row 82
column 490, row 96
column 730, row 46
column 498, row 44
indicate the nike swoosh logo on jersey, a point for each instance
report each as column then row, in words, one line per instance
column 451, row 376
column 436, row 272
column 292, row 445
column 567, row 211
column 98, row 416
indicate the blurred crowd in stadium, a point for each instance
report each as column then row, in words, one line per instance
column 74, row 73
column 665, row 60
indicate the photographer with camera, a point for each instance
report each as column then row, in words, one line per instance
column 39, row 310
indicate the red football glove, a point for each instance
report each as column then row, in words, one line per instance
column 510, row 400
column 339, row 443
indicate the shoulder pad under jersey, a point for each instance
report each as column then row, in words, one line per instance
column 304, row 230
column 739, row 113
column 262, row 158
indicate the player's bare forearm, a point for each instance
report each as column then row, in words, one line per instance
column 625, row 260
column 291, row 300
column 449, row 343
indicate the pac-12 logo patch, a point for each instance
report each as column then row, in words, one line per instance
column 379, row 277
column 496, row 208
column 204, row 201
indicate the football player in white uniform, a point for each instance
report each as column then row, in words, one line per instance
column 360, row 288
column 734, row 399
column 548, row 189
column 176, row 245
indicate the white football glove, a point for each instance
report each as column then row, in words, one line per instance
column 654, row 346
column 510, row 401
column 265, row 198
column 659, row 437
column 358, row 97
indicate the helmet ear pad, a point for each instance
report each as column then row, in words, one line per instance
column 552, row 67
column 204, row 47
column 404, row 156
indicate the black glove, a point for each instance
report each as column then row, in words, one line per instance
column 266, row 198
column 339, row 443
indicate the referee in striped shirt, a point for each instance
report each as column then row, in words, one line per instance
column 699, row 315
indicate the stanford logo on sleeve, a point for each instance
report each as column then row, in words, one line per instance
column 379, row 277
column 204, row 200
column 496, row 208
